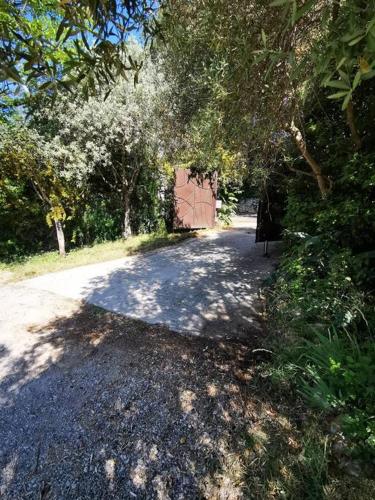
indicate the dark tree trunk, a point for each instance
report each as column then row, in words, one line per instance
column 126, row 229
column 127, row 191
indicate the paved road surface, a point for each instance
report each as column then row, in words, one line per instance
column 97, row 405
column 206, row 286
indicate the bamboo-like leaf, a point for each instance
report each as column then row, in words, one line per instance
column 338, row 84
column 69, row 33
column 370, row 25
column 357, row 80
column 341, row 63
column 356, row 40
column 20, row 37
column 338, row 95
column 66, row 84
column 60, row 29
column 344, row 77
column 46, row 85
column 294, row 12
column 12, row 73
column 85, row 41
column 264, row 37
column 351, row 36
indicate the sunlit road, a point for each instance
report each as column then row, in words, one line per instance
column 205, row 286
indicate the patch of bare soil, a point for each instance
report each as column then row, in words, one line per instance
column 121, row 409
column 97, row 406
column 94, row 405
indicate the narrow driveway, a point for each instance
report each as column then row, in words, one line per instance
column 98, row 405
column 206, row 286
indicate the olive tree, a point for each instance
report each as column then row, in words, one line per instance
column 261, row 60
column 26, row 155
column 45, row 46
column 117, row 132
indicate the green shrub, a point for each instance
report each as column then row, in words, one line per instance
column 152, row 202
column 229, row 205
column 315, row 286
column 98, row 222
column 327, row 273
column 336, row 373
column 23, row 228
column 322, row 298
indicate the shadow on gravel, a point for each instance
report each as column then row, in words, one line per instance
column 103, row 406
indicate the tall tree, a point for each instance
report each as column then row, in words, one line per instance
column 260, row 62
column 118, row 133
column 26, row 156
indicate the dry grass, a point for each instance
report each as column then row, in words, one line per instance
column 48, row 262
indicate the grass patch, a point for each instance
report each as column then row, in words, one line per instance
column 289, row 452
column 48, row 262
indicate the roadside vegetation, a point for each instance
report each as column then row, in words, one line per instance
column 49, row 262
column 290, row 86
column 274, row 95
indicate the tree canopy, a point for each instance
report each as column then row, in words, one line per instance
column 45, row 45
column 101, row 100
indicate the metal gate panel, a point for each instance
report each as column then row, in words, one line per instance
column 195, row 200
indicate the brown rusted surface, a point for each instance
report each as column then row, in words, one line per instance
column 195, row 200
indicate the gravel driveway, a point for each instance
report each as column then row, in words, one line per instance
column 97, row 405
column 206, row 286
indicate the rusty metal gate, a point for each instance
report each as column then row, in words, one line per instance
column 194, row 200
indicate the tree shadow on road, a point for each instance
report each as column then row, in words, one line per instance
column 206, row 289
column 102, row 406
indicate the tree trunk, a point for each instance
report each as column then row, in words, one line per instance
column 335, row 11
column 127, row 191
column 357, row 141
column 323, row 183
column 127, row 230
column 60, row 237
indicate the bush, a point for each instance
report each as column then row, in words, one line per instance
column 315, row 284
column 152, row 202
column 23, row 228
column 322, row 299
column 229, row 197
column 327, row 274
column 98, row 222
column 338, row 376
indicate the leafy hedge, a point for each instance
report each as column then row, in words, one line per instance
column 322, row 299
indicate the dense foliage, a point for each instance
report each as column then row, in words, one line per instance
column 280, row 92
column 93, row 165
column 51, row 45
column 289, row 86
